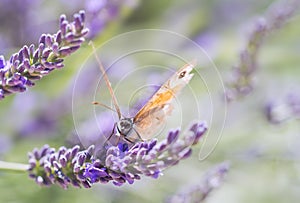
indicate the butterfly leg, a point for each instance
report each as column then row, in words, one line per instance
column 119, row 137
column 138, row 134
column 112, row 132
column 128, row 140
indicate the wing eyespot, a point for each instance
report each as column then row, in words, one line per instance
column 182, row 74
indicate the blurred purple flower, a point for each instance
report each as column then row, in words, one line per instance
column 94, row 134
column 100, row 12
column 118, row 164
column 5, row 144
column 274, row 18
column 278, row 111
column 198, row 193
column 19, row 13
column 32, row 63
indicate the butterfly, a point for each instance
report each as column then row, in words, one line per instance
column 153, row 114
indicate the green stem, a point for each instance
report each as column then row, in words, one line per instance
column 13, row 167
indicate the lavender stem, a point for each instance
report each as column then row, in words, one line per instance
column 13, row 167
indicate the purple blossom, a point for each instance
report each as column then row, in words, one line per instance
column 99, row 13
column 277, row 111
column 274, row 18
column 198, row 193
column 117, row 164
column 32, row 63
column 13, row 15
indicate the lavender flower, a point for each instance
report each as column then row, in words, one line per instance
column 243, row 73
column 199, row 193
column 278, row 111
column 32, row 63
column 13, row 15
column 118, row 164
column 100, row 12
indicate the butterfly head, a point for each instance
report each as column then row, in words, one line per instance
column 185, row 73
column 124, row 126
column 182, row 77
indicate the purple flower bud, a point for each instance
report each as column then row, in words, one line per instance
column 45, row 72
column 36, row 56
column 47, row 64
column 152, row 144
column 156, row 174
column 84, row 32
column 161, row 146
column 2, row 62
column 76, row 168
column 75, row 183
column 77, row 22
column 13, row 58
column 81, row 159
column 31, row 50
column 45, row 53
column 26, row 64
column 20, row 55
column 185, row 154
column 141, row 153
column 119, row 183
column 63, row 27
column 65, row 51
column 63, row 161
column 25, row 52
column 58, row 38
column 86, row 184
column 55, row 48
column 46, row 149
column 173, row 136
column 52, row 158
column 90, row 150
column 47, row 167
column 16, row 64
column 123, row 147
column 62, row 18
column 75, row 150
column 15, row 89
column 32, row 163
column 48, row 40
column 82, row 15
column 59, row 65
column 69, row 37
column 36, row 153
column 76, row 42
column 41, row 49
column 42, row 39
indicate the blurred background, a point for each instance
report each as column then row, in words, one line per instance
column 258, row 132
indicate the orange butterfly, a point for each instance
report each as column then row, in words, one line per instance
column 153, row 114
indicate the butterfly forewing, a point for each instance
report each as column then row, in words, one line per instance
column 149, row 120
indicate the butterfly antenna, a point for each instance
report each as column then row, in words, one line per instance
column 104, row 105
column 193, row 62
column 106, row 81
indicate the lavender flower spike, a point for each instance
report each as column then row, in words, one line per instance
column 32, row 63
column 243, row 74
column 199, row 193
column 118, row 164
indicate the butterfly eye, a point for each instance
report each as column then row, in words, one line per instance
column 182, row 74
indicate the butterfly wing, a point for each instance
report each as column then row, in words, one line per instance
column 153, row 114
